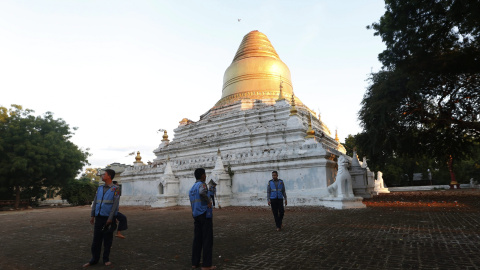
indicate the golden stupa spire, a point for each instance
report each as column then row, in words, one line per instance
column 165, row 136
column 138, row 158
column 310, row 131
column 280, row 94
column 293, row 109
column 336, row 136
column 255, row 73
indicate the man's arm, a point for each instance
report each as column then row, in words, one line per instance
column 203, row 194
column 116, row 202
column 284, row 193
column 92, row 213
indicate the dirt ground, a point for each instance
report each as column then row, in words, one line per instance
column 401, row 230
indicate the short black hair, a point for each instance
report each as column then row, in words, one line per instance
column 199, row 172
column 275, row 172
column 111, row 173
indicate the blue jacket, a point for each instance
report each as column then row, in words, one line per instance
column 199, row 206
column 104, row 202
column 276, row 193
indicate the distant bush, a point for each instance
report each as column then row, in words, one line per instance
column 79, row 192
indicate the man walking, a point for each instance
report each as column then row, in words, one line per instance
column 202, row 214
column 275, row 195
column 104, row 209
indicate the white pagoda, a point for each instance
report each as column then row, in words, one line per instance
column 256, row 127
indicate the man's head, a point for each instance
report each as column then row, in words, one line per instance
column 108, row 175
column 274, row 175
column 200, row 174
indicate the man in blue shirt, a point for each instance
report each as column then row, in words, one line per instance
column 104, row 209
column 203, row 232
column 275, row 195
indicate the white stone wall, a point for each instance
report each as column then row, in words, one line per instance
column 253, row 143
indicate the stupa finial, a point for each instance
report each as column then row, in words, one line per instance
column 165, row 136
column 138, row 158
column 293, row 109
column 280, row 94
column 310, row 131
column 336, row 136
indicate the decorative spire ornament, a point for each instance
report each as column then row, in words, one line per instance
column 293, row 109
column 336, row 136
column 280, row 95
column 165, row 136
column 310, row 131
column 138, row 158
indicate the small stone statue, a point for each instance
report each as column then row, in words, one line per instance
column 342, row 187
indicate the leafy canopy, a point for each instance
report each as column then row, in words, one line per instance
column 79, row 192
column 425, row 99
column 36, row 150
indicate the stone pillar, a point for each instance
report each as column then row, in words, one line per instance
column 171, row 187
column 359, row 178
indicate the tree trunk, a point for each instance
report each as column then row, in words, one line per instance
column 17, row 197
column 453, row 181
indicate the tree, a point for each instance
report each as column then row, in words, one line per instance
column 424, row 100
column 352, row 144
column 36, row 151
column 79, row 192
column 91, row 174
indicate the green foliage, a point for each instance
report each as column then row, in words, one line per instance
column 398, row 170
column 91, row 174
column 79, row 192
column 6, row 193
column 423, row 104
column 36, row 151
column 469, row 167
column 351, row 143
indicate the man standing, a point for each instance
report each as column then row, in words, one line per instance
column 203, row 232
column 104, row 209
column 275, row 195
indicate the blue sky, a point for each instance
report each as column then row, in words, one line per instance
column 121, row 70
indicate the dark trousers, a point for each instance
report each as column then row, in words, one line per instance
column 122, row 222
column 278, row 211
column 213, row 199
column 98, row 238
column 203, row 239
